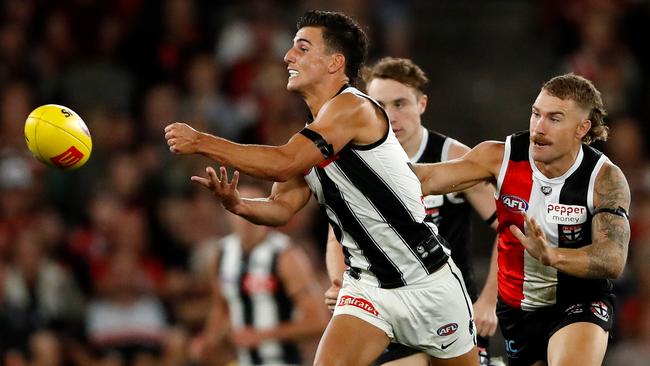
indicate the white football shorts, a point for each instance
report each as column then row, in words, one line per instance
column 433, row 315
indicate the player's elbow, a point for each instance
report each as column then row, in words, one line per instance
column 618, row 263
column 285, row 167
column 616, row 268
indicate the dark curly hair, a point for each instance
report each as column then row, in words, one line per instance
column 586, row 96
column 341, row 34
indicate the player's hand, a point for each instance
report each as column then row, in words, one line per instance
column 225, row 191
column 535, row 241
column 181, row 138
column 332, row 294
column 485, row 317
column 246, row 337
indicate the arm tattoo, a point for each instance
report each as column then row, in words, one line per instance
column 610, row 232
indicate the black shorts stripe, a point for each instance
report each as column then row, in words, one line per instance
column 467, row 303
column 387, row 273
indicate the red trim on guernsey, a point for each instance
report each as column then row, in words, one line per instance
column 516, row 186
column 327, row 162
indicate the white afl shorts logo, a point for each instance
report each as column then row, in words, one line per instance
column 557, row 213
column 447, row 329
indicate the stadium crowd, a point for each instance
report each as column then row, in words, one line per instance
column 106, row 265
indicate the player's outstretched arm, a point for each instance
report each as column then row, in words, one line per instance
column 343, row 119
column 480, row 164
column 276, row 210
column 610, row 233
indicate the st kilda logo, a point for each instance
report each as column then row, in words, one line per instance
column 600, row 310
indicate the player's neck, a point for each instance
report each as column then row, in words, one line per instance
column 321, row 93
column 559, row 166
column 252, row 239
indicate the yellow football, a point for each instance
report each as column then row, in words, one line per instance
column 57, row 136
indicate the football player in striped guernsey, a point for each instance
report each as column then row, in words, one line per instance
column 563, row 225
column 401, row 285
column 398, row 85
column 265, row 288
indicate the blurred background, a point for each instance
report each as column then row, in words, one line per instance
column 131, row 228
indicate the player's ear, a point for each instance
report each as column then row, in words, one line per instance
column 422, row 103
column 583, row 128
column 337, row 62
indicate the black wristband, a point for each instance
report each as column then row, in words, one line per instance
column 619, row 211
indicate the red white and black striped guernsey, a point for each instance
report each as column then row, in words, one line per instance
column 563, row 207
column 373, row 201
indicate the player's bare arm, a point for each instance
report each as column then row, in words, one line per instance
column 605, row 257
column 300, row 282
column 218, row 322
column 481, row 197
column 336, row 266
column 480, row 164
column 343, row 119
column 285, row 199
column 610, row 230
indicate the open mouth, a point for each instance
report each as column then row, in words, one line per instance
column 293, row 74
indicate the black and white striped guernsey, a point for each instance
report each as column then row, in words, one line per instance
column 256, row 297
column 450, row 212
column 373, row 200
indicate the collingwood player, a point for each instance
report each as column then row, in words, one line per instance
column 402, row 286
column 264, row 287
column 398, row 85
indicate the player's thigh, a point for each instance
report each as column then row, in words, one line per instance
column 469, row 358
column 348, row 340
column 580, row 343
column 418, row 359
column 421, row 359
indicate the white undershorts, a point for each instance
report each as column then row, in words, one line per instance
column 433, row 315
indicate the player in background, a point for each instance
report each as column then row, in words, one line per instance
column 398, row 85
column 265, row 288
column 563, row 229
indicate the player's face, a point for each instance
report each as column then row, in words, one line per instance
column 307, row 59
column 403, row 104
column 556, row 128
